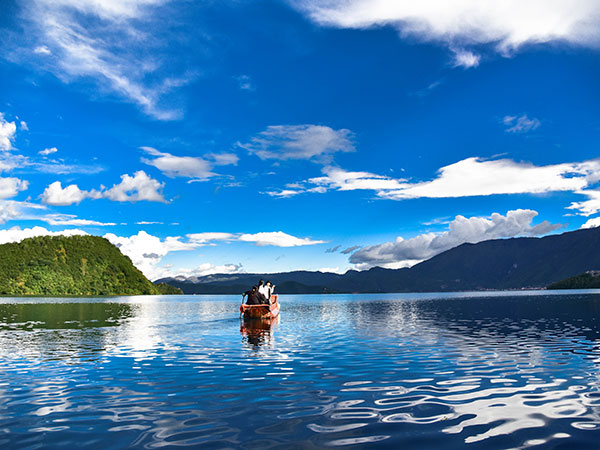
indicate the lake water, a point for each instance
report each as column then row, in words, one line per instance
column 493, row 371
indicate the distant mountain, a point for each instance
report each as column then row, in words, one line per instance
column 497, row 264
column 76, row 265
column 587, row 280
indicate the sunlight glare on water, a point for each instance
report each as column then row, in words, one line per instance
column 509, row 370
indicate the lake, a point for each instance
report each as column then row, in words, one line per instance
column 468, row 370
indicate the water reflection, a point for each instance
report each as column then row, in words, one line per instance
column 258, row 332
column 29, row 316
column 381, row 371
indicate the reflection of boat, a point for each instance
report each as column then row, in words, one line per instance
column 258, row 331
column 261, row 311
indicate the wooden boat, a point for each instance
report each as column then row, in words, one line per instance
column 264, row 312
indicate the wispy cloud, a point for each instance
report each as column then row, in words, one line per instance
column 178, row 166
column 469, row 178
column 48, row 151
column 277, row 239
column 309, row 142
column 349, row 250
column 407, row 252
column 503, row 25
column 108, row 42
column 520, row 124
column 69, row 219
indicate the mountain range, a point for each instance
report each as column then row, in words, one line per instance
column 516, row 263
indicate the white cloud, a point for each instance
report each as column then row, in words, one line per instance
column 200, row 271
column 15, row 210
column 146, row 251
column 520, row 124
column 178, row 166
column 137, row 188
column 278, row 239
column 107, row 41
column 588, row 207
column 204, row 238
column 10, row 186
column 7, row 134
column 336, row 178
column 144, row 222
column 591, row 223
column 475, row 177
column 407, row 252
column 68, row 219
column 16, row 234
column 48, row 151
column 223, row 159
column 23, row 126
column 286, row 142
column 506, row 25
column 56, row 195
column 42, row 50
column 471, row 177
column 466, row 59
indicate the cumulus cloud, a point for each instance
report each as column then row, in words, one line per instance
column 178, row 166
column 56, row 195
column 16, row 234
column 591, row 223
column 520, row 124
column 407, row 252
column 285, row 142
column 504, row 25
column 10, row 186
column 7, row 133
column 139, row 187
column 106, row 41
column 278, row 239
column 48, row 151
column 146, row 251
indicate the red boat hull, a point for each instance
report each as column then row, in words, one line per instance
column 261, row 311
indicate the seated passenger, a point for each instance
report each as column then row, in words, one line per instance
column 253, row 296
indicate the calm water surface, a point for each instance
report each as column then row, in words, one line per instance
column 367, row 371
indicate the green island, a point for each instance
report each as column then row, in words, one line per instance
column 71, row 266
column 587, row 280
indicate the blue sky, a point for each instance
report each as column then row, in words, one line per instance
column 264, row 136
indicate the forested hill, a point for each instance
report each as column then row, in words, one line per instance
column 496, row 264
column 76, row 265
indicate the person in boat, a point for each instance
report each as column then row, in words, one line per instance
column 264, row 292
column 270, row 289
column 254, row 297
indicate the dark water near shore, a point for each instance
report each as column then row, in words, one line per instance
column 493, row 371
